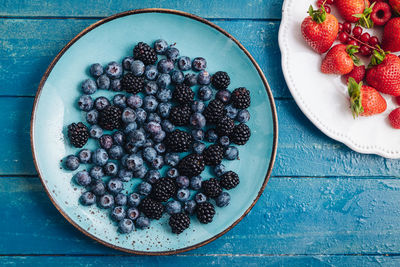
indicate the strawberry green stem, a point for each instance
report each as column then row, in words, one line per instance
column 319, row 15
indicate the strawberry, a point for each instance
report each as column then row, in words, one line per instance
column 391, row 35
column 384, row 73
column 340, row 59
column 365, row 100
column 320, row 29
column 395, row 5
column 394, row 118
column 358, row 74
column 355, row 11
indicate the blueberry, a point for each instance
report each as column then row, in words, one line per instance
column 172, row 159
column 173, row 207
column 172, row 53
column 99, row 188
column 125, row 175
column 115, row 186
column 211, row 136
column 132, row 162
column 205, row 93
column 144, row 188
column 157, row 163
column 106, row 141
column 85, row 102
column 137, row 68
column 92, row 116
column 160, row 46
column 159, row 137
column 83, row 178
column 151, row 72
column 189, row 206
column 115, row 152
column 101, row 103
column 164, row 95
column 127, row 63
column 88, row 198
column 100, row 157
column 96, row 172
column 85, row 155
column 72, row 162
column 134, row 101
column 132, row 213
column 165, row 65
column 199, row 64
column 131, row 127
column 231, row 153
column 125, row 226
column 198, row 106
column 223, row 199
column 137, row 138
column 95, row 131
column 167, row 126
column 153, row 127
column 224, row 141
column 89, row 87
column 198, row 147
column 198, row 134
column 220, row 169
column 197, row 120
column 172, row 173
column 184, row 63
column 183, row 194
column 118, row 138
column 140, row 172
column 115, row 85
column 114, row 70
column 150, row 88
column 195, row 182
column 200, row 198
column 118, row 213
column 243, row 116
column 160, row 148
column 134, row 200
column 154, row 117
column 96, row 70
column 128, row 115
column 152, row 176
column 150, row 103
column 190, row 79
column 111, row 169
column 177, row 77
column 223, row 95
column 163, row 80
column 149, row 154
column 121, row 199
column 142, row 222
column 231, row 111
column 182, row 181
column 103, row 82
column 203, row 78
column 130, row 148
column 148, row 143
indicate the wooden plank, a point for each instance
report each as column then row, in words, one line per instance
column 299, row 216
column 24, row 56
column 267, row 9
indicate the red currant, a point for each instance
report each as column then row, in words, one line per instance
column 320, row 2
column 365, row 50
column 330, row 2
column 327, row 9
column 343, row 37
column 347, row 27
column 365, row 37
column 352, row 42
column 373, row 41
column 357, row 31
column 340, row 27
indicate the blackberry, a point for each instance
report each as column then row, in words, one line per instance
column 205, row 212
column 183, row 94
column 191, row 165
column 179, row 222
column 78, row 134
column 213, row 155
column 110, row 118
column 229, row 180
column 225, row 126
column 211, row 188
column 132, row 84
column 220, row 80
column 240, row 134
column 180, row 115
column 163, row 189
column 145, row 53
column 178, row 141
column 214, row 111
column 241, row 98
column 151, row 208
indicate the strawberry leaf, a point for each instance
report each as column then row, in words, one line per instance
column 352, row 50
column 378, row 56
column 354, row 90
column 365, row 18
column 319, row 15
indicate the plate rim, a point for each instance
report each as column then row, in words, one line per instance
column 179, row 13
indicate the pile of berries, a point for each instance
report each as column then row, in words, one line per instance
column 155, row 91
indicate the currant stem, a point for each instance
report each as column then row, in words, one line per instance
column 367, row 45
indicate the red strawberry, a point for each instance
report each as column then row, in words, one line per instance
column 384, row 75
column 340, row 59
column 358, row 74
column 320, row 29
column 365, row 100
column 391, row 35
column 394, row 118
column 395, row 5
column 355, row 10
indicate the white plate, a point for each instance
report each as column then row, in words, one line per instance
column 323, row 98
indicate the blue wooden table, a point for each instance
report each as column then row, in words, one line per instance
column 324, row 205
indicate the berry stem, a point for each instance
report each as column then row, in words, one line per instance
column 355, row 39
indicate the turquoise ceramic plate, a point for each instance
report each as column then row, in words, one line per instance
column 112, row 39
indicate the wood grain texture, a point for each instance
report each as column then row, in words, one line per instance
column 303, row 216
